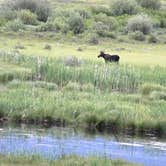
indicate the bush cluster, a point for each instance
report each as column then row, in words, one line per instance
column 27, row 17
column 119, row 7
column 152, row 39
column 152, row 4
column 137, row 35
column 98, row 21
column 140, row 23
column 101, row 9
column 111, row 22
column 40, row 7
column 15, row 25
column 76, row 23
column 93, row 39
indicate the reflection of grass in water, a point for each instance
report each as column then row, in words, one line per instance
column 64, row 161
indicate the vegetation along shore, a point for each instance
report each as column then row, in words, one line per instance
column 50, row 73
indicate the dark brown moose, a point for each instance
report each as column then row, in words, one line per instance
column 109, row 58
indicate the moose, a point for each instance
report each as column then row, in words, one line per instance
column 109, row 58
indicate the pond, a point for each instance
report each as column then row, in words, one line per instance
column 57, row 141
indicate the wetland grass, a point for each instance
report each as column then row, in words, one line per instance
column 63, row 161
column 93, row 95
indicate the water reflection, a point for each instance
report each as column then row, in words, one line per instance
column 55, row 142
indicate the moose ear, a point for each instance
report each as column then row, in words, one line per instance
column 101, row 52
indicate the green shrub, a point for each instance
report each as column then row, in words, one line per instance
column 48, row 26
column 152, row 39
column 61, row 24
column 2, row 21
column 100, row 28
column 43, row 10
column 152, row 4
column 137, row 35
column 27, row 17
column 76, row 23
column 111, row 35
column 120, row 7
column 93, row 39
column 47, row 47
column 101, row 9
column 40, row 7
column 163, row 23
column 110, row 21
column 15, row 25
column 84, row 13
column 140, row 23
column 7, row 14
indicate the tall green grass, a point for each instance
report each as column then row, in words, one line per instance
column 64, row 161
column 29, row 103
column 124, row 78
column 93, row 94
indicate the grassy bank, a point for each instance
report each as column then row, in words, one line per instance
column 85, row 94
column 64, row 161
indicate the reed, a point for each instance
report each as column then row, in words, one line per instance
column 63, row 161
column 93, row 94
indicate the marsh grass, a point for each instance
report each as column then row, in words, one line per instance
column 94, row 95
column 35, row 104
column 63, row 161
column 8, row 72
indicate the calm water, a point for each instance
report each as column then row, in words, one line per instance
column 55, row 142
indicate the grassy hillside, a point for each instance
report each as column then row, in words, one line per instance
column 88, row 21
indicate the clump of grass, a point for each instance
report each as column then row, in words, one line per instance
column 73, row 86
column 158, row 95
column 19, row 46
column 47, row 47
column 32, row 84
column 72, row 61
column 152, row 39
column 15, row 25
column 88, row 87
column 147, row 88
